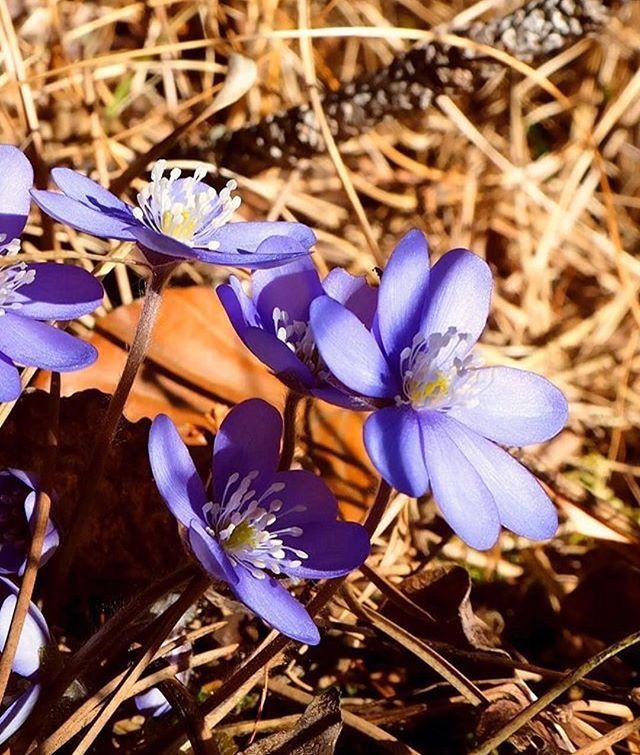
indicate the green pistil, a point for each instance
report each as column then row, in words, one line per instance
column 243, row 536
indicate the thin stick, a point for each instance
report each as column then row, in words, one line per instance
column 200, row 736
column 43, row 506
column 611, row 738
column 99, row 645
column 164, row 625
column 87, row 497
column 289, row 434
column 422, row 650
column 306, row 50
column 563, row 685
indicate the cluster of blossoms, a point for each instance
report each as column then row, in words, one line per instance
column 402, row 352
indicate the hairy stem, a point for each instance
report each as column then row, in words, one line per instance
column 86, row 500
column 289, row 433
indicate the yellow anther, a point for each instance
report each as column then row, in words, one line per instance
column 181, row 225
column 420, row 394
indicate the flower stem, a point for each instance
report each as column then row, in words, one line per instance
column 289, row 433
column 86, row 500
column 43, row 505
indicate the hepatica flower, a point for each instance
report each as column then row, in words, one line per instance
column 256, row 524
column 274, row 322
column 438, row 412
column 33, row 293
column 18, row 492
column 24, row 686
column 175, row 217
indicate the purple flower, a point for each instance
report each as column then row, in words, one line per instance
column 176, row 217
column 32, row 293
column 256, row 523
column 18, row 493
column 274, row 324
column 437, row 410
column 24, row 687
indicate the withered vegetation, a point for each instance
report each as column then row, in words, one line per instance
column 535, row 165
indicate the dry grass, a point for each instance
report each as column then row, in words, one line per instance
column 545, row 186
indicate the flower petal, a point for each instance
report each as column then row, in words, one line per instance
column 349, row 350
column 161, row 243
column 403, row 292
column 269, row 600
column 36, row 344
column 522, row 504
column 334, row 549
column 89, row 192
column 16, row 178
column 273, row 251
column 459, row 295
column 81, row 217
column 354, row 292
column 211, row 554
column 291, row 287
column 394, row 443
column 248, row 236
column 240, row 309
column 10, row 385
column 14, row 715
column 460, row 492
column 306, row 499
column 248, row 440
column 59, row 292
column 174, row 472
column 152, row 703
column 513, row 407
column 279, row 358
column 34, row 636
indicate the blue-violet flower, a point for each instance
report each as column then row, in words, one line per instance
column 256, row 523
column 24, row 683
column 437, row 412
column 18, row 493
column 33, row 293
column 274, row 323
column 176, row 217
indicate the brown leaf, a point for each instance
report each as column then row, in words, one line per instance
column 132, row 538
column 444, row 592
column 537, row 736
column 316, row 732
column 195, row 363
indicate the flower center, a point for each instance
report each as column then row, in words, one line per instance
column 435, row 370
column 185, row 208
column 253, row 529
column 297, row 336
column 11, row 279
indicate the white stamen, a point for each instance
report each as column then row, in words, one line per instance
column 437, row 371
column 297, row 336
column 191, row 211
column 247, row 527
column 11, row 280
